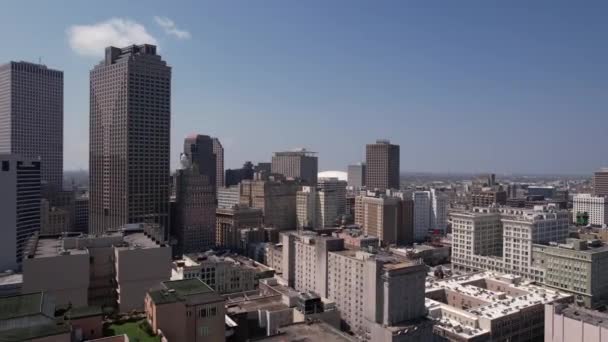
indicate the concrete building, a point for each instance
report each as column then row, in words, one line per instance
column 422, row 214
column 101, row 270
column 235, row 176
column 275, row 197
column 186, row 310
column 488, row 307
column 200, row 155
column 439, row 210
column 228, row 197
column 31, row 117
column 600, row 182
column 485, row 197
column 194, row 211
column 595, row 206
column 130, row 140
column 356, row 175
column 355, row 238
column 54, row 220
column 299, row 164
column 218, row 151
column 320, row 207
column 387, row 218
column 224, row 274
column 81, row 213
column 576, row 266
column 501, row 239
column 231, row 222
column 306, row 203
column 337, row 186
column 382, row 165
column 19, row 207
column 571, row 323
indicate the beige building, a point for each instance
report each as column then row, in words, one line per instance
column 390, row 219
column 489, row 307
column 186, row 310
column 230, row 223
column 572, row 323
column 275, row 197
column 382, row 165
column 300, row 164
column 54, row 220
column 101, row 270
column 318, row 207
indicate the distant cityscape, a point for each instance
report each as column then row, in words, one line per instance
column 133, row 250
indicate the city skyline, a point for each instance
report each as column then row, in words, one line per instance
column 354, row 77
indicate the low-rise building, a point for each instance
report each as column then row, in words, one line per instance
column 571, row 323
column 355, row 238
column 489, row 307
column 186, row 310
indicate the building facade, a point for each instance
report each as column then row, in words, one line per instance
column 227, row 197
column 230, row 222
column 595, row 206
column 275, row 197
column 130, row 122
column 300, row 164
column 356, row 175
column 439, row 210
column 422, row 214
column 31, row 117
column 382, row 165
column 218, row 151
column 19, row 207
column 600, row 182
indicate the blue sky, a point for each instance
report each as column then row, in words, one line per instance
column 462, row 86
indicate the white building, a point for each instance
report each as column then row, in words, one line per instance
column 319, row 208
column 595, row 206
column 439, row 210
column 501, row 239
column 227, row 197
column 305, row 207
column 422, row 214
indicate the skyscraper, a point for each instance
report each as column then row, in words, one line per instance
column 19, row 206
column 439, row 210
column 356, row 175
column 130, row 120
column 382, row 165
column 31, row 117
column 299, row 164
column 600, row 182
column 422, row 214
column 199, row 150
column 218, row 150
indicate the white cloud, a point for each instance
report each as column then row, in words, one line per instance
column 91, row 40
column 169, row 27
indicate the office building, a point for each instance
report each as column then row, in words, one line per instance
column 600, row 182
column 235, row 176
column 439, row 210
column 263, row 167
column 337, row 186
column 81, row 213
column 199, row 153
column 218, row 151
column 20, row 207
column 501, row 239
column 54, row 220
column 306, row 203
column 275, row 196
column 299, row 164
column 576, row 266
column 382, row 165
column 194, row 211
column 355, row 238
column 387, row 218
column 31, row 118
column 114, row 269
column 568, row 322
column 422, row 214
column 356, row 175
column 596, row 208
column 231, row 222
column 186, row 310
column 544, row 191
column 130, row 132
column 228, row 197
column 489, row 307
column 320, row 207
column 486, row 197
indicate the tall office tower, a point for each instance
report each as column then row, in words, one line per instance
column 382, row 165
column 337, row 186
column 305, row 207
column 31, row 117
column 600, row 182
column 387, row 218
column 356, row 175
column 235, row 176
column 299, row 164
column 231, row 222
column 276, row 198
column 194, row 211
column 198, row 149
column 130, row 140
column 19, row 207
column 218, row 150
column 422, row 214
column 439, row 210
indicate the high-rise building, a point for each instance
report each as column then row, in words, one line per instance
column 439, row 210
column 31, row 117
column 195, row 211
column 19, row 207
column 235, row 176
column 230, row 222
column 596, row 208
column 276, row 197
column 130, row 140
column 337, row 186
column 306, row 202
column 218, row 150
column 356, row 175
column 382, row 165
column 422, row 214
column 387, row 218
column 228, row 196
column 300, row 164
column 600, row 182
column 199, row 151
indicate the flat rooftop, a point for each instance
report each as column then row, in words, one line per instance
column 178, row 290
column 21, row 305
column 312, row 332
column 140, row 240
column 585, row 315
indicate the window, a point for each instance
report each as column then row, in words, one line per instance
column 5, row 165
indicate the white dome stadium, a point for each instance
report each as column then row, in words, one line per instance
column 341, row 175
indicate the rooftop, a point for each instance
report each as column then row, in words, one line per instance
column 34, row 332
column 585, row 315
column 179, row 290
column 309, row 332
column 21, row 305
